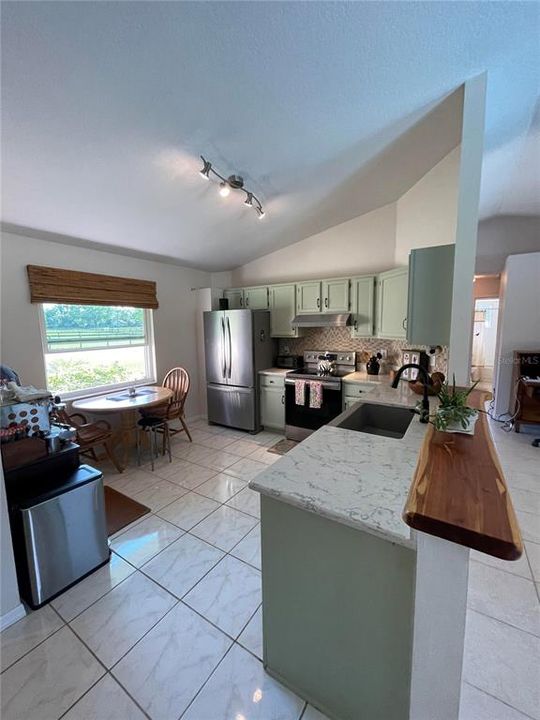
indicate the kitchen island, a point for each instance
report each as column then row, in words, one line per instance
column 362, row 616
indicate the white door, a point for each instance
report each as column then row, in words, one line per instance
column 362, row 306
column 335, row 295
column 273, row 408
column 256, row 298
column 282, row 310
column 308, row 297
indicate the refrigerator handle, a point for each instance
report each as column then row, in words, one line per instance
column 230, row 346
column 223, row 360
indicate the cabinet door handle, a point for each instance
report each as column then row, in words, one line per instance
column 326, row 302
column 241, row 302
column 283, row 399
column 356, row 324
column 247, row 302
column 404, row 323
column 319, row 302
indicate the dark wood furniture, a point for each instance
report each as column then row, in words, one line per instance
column 179, row 382
column 527, row 384
column 459, row 492
column 91, row 435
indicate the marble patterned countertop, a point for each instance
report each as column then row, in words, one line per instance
column 361, row 376
column 351, row 477
column 275, row 371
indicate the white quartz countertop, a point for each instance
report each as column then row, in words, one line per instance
column 275, row 371
column 362, row 377
column 351, row 477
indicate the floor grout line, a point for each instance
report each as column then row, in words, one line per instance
column 497, row 698
column 64, row 624
column 503, row 570
column 503, row 622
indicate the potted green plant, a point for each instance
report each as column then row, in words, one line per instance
column 453, row 413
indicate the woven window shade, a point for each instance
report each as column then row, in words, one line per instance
column 55, row 285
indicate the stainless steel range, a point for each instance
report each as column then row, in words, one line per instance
column 313, row 393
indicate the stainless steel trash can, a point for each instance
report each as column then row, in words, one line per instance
column 60, row 534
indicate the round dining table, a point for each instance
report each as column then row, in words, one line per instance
column 127, row 407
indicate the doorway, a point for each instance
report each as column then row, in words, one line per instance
column 486, row 315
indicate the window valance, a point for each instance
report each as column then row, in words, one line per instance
column 56, row 285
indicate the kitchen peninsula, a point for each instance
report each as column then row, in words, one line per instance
column 362, row 616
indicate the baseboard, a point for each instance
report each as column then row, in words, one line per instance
column 12, row 616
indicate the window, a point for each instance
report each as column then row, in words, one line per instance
column 94, row 347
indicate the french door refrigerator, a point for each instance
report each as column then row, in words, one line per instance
column 237, row 345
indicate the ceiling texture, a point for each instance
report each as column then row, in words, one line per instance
column 106, row 107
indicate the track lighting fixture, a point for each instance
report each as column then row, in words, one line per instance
column 233, row 182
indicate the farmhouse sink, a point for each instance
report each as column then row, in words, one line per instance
column 385, row 420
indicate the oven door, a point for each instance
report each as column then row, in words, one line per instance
column 301, row 420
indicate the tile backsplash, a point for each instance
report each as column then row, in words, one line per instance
column 339, row 338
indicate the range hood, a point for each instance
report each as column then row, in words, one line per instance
column 322, row 320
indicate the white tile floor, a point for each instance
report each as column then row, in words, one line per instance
column 171, row 628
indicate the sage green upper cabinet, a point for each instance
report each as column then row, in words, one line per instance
column 256, row 298
column 392, row 296
column 283, row 310
column 363, row 306
column 431, row 276
column 308, row 296
column 335, row 295
column 235, row 296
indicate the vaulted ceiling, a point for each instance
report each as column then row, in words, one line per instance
column 106, row 107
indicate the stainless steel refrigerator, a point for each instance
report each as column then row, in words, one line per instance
column 237, row 345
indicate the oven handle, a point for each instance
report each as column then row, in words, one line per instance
column 326, row 385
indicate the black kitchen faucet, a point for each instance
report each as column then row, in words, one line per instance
column 424, row 413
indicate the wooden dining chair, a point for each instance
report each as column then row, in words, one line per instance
column 179, row 382
column 90, row 435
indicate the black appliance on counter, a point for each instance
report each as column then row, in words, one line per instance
column 58, row 526
column 327, row 368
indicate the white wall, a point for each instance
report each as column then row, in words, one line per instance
column 174, row 321
column 503, row 235
column 427, row 214
column 424, row 216
column 362, row 245
column 519, row 321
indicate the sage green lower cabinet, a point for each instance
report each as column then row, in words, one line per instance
column 235, row 296
column 431, row 278
column 338, row 607
column 282, row 310
column 272, row 402
column 354, row 392
column 308, row 297
column 363, row 306
column 256, row 298
column 392, row 299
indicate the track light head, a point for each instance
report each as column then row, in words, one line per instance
column 260, row 213
column 224, row 189
column 205, row 171
column 249, row 200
